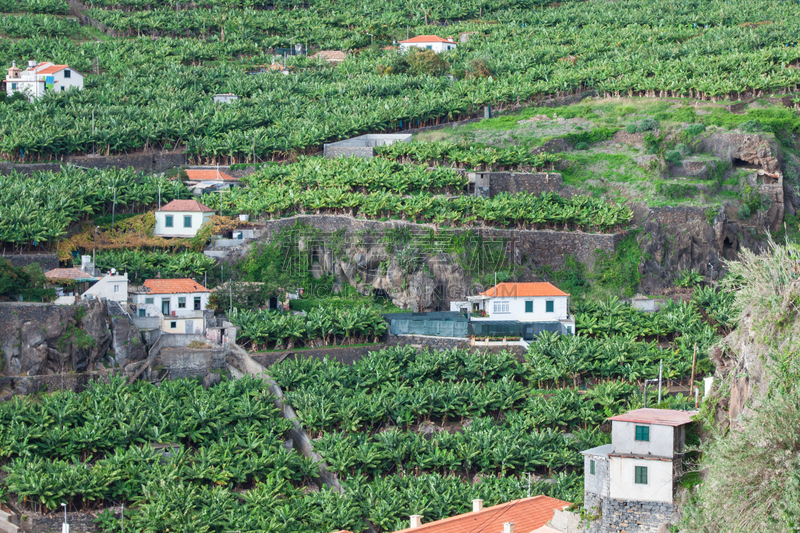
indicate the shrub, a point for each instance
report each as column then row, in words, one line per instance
column 673, row 156
column 749, row 126
column 426, row 62
column 581, row 146
column 648, row 124
column 695, row 129
column 631, row 128
column 652, row 143
column 676, row 191
column 744, row 212
column 683, row 149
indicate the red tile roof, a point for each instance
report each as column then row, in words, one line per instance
column 186, row 206
column 527, row 514
column 513, row 290
column 173, row 286
column 658, row 417
column 67, row 273
column 207, row 175
column 427, row 39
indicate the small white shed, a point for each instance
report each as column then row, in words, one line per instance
column 181, row 218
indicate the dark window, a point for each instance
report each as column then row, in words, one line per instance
column 168, row 221
column 197, row 303
column 148, row 301
column 173, row 325
column 548, row 306
column 141, row 312
column 429, row 47
column 165, row 306
column 63, row 88
column 643, row 433
column 13, row 86
column 187, row 221
column 591, row 467
column 67, row 73
column 181, row 302
column 569, row 330
column 529, row 307
column 640, row 476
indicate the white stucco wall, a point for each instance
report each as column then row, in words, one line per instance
column 154, row 309
column 114, row 288
column 661, row 443
column 178, row 229
column 435, row 46
column 623, row 477
column 516, row 309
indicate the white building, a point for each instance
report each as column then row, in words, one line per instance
column 427, row 42
column 523, row 302
column 641, row 465
column 178, row 302
column 40, row 78
column 181, row 218
column 225, row 98
column 112, row 287
column 68, row 283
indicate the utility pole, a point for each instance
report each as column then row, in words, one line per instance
column 113, row 206
column 660, row 367
column 694, row 361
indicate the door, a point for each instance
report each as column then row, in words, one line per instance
column 165, row 306
column 190, row 326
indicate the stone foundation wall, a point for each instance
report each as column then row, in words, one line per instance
column 190, row 362
column 78, row 523
column 635, row 517
column 513, row 182
column 347, row 355
column 46, row 261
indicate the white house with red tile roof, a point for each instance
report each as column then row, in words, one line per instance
column 40, row 78
column 641, row 465
column 428, row 42
column 112, row 286
column 523, row 302
column 181, row 218
column 178, row 302
column 521, row 516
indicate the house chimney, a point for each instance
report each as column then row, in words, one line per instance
column 31, row 63
column 416, row 520
column 477, row 506
column 508, row 527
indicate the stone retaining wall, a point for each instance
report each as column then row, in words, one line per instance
column 78, row 523
column 441, row 343
column 73, row 381
column 346, row 355
column 635, row 517
column 535, row 183
column 46, row 261
column 149, row 162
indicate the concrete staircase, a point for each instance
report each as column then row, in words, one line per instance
column 8, row 521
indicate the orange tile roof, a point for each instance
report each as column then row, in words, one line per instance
column 186, row 206
column 207, row 175
column 67, row 273
column 527, row 514
column 173, row 286
column 515, row 290
column 658, row 417
column 52, row 69
column 427, row 39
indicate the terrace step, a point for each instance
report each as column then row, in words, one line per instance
column 8, row 521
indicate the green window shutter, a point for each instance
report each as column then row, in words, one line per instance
column 548, row 306
column 187, row 221
column 643, row 433
column 591, row 467
column 640, row 475
column 168, row 221
column 529, row 307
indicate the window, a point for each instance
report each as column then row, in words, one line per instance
column 501, row 307
column 67, row 73
column 174, row 325
column 62, row 88
column 640, row 476
column 429, row 47
column 181, row 302
column 591, row 467
column 197, row 303
column 141, row 312
column 116, row 288
column 529, row 306
column 168, row 221
column 148, row 301
column 569, row 330
column 164, row 306
column 643, row 433
column 548, row 306
column 187, row 221
column 13, row 86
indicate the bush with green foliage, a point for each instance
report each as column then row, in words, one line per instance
column 673, row 156
column 581, row 146
column 695, row 129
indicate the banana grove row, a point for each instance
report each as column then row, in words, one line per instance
column 520, row 211
column 262, row 329
column 141, row 265
column 473, row 157
column 40, row 208
column 359, row 174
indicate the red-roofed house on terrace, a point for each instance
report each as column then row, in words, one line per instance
column 537, row 302
column 517, row 516
column 633, row 479
column 181, row 218
column 178, row 302
column 428, row 42
column 40, row 78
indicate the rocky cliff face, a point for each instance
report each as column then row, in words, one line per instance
column 50, row 339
